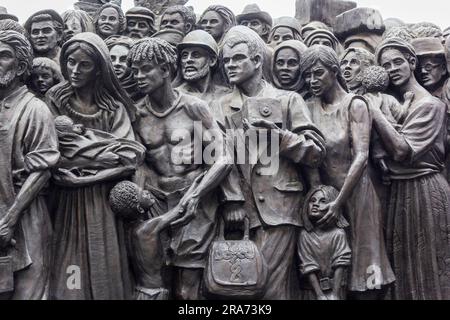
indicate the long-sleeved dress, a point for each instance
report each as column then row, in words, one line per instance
column 87, row 234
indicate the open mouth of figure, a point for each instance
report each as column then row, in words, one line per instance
column 190, row 69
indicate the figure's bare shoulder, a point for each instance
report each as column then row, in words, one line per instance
column 359, row 110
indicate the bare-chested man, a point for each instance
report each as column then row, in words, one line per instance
column 168, row 122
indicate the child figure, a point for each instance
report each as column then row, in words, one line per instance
column 324, row 251
column 375, row 81
column 88, row 150
column 45, row 74
column 146, row 246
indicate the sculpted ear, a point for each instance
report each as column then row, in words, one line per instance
column 165, row 68
column 258, row 61
column 187, row 27
column 21, row 68
column 212, row 61
column 413, row 63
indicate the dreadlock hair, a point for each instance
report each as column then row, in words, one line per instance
column 327, row 56
column 8, row 24
column 154, row 49
column 22, row 47
column 124, row 199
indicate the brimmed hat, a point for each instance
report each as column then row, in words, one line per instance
column 428, row 47
column 141, row 12
column 52, row 13
column 252, row 11
column 5, row 15
column 199, row 38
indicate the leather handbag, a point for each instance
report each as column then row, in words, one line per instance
column 235, row 268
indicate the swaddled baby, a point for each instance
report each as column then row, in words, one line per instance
column 85, row 151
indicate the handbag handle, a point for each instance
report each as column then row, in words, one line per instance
column 222, row 229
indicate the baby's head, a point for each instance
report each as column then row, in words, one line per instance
column 315, row 206
column 375, row 79
column 129, row 201
column 64, row 124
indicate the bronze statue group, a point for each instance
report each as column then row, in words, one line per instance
column 102, row 195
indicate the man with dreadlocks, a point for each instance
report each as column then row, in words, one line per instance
column 177, row 130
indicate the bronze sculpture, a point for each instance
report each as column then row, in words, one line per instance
column 93, row 97
column 344, row 120
column 45, row 32
column 29, row 151
column 140, row 22
column 275, row 227
column 109, row 20
column 168, row 120
column 178, row 17
column 217, row 20
column 185, row 157
column 76, row 21
column 420, row 176
column 284, row 28
column 45, row 74
column 199, row 59
column 324, row 250
column 257, row 20
column 286, row 66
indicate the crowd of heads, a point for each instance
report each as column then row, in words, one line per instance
column 193, row 46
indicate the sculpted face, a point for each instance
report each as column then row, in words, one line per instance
column 256, row 25
column 316, row 205
column 149, row 76
column 44, row 36
column 431, row 71
column 287, row 66
column 138, row 28
column 399, row 69
column 238, row 64
column 108, row 22
column 42, row 79
column 214, row 24
column 195, row 63
column 82, row 70
column 320, row 79
column 280, row 35
column 173, row 21
column 118, row 56
column 72, row 27
column 351, row 68
column 322, row 41
column 8, row 65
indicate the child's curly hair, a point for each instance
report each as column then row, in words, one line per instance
column 375, row 79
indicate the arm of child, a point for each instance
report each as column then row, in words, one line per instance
column 314, row 281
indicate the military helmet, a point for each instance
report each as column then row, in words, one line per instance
column 199, row 38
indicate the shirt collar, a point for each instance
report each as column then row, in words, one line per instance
column 13, row 98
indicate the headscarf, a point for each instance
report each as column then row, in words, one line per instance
column 322, row 33
column 330, row 194
column 299, row 48
column 109, row 80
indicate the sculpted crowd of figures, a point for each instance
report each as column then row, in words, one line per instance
column 109, row 121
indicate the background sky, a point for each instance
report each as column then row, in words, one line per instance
column 437, row 11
